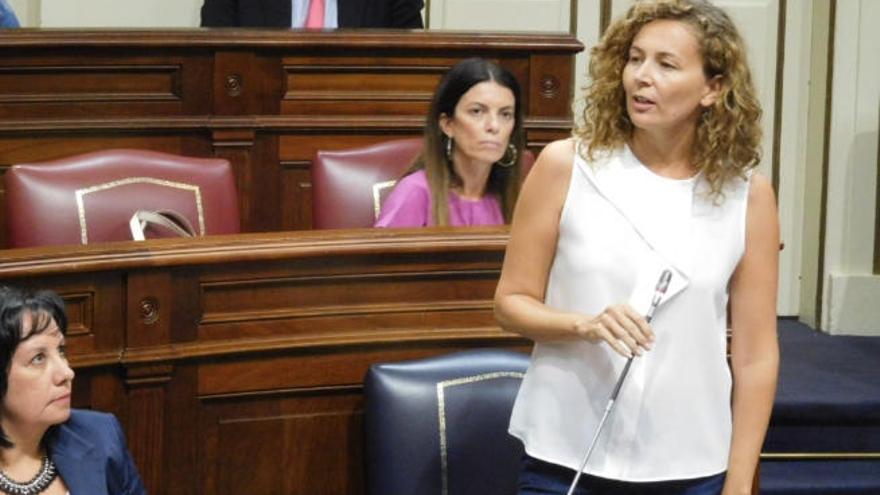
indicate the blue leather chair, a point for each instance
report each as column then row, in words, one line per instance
column 439, row 425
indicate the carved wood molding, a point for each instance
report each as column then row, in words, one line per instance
column 490, row 336
column 245, row 247
column 150, row 375
column 285, row 39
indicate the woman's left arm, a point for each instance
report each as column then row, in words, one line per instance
column 754, row 346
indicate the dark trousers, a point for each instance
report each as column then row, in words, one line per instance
column 542, row 478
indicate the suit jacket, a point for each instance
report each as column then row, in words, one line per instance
column 8, row 18
column 276, row 13
column 90, row 453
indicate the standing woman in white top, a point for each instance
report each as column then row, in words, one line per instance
column 658, row 177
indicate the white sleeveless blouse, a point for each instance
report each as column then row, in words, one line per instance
column 620, row 227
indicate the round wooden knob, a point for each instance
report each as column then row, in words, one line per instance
column 233, row 84
column 149, row 307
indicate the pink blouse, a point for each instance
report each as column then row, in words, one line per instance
column 409, row 205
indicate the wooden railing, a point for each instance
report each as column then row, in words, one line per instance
column 236, row 363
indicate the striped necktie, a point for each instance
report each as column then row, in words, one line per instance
column 315, row 19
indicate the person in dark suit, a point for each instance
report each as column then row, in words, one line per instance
column 404, row 14
column 58, row 449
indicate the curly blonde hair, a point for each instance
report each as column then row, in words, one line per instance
column 728, row 134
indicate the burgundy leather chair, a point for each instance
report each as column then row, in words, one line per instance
column 90, row 198
column 349, row 186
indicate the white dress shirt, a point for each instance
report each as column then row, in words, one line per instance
column 299, row 10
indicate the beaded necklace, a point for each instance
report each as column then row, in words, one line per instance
column 37, row 485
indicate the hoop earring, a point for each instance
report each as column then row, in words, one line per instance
column 511, row 155
column 449, row 148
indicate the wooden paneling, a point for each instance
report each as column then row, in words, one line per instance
column 249, row 437
column 236, row 362
column 357, row 85
column 38, row 82
column 265, row 100
column 87, row 84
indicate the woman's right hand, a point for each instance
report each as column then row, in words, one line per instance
column 620, row 326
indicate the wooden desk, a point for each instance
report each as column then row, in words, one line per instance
column 264, row 99
column 236, row 363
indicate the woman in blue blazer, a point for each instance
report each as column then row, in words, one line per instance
column 58, row 450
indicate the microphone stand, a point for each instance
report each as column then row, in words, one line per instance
column 659, row 290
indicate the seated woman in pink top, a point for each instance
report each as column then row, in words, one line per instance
column 468, row 172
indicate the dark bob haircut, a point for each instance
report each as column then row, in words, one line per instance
column 44, row 307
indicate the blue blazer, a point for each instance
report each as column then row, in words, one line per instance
column 8, row 18
column 90, row 453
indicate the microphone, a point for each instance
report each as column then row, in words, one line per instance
column 659, row 291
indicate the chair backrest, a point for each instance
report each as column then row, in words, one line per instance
column 90, row 198
column 439, row 425
column 349, row 186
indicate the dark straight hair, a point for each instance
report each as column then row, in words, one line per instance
column 44, row 307
column 503, row 182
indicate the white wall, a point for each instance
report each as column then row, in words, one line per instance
column 27, row 11
column 119, row 13
column 793, row 168
column 851, row 292
column 588, row 30
column 509, row 15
